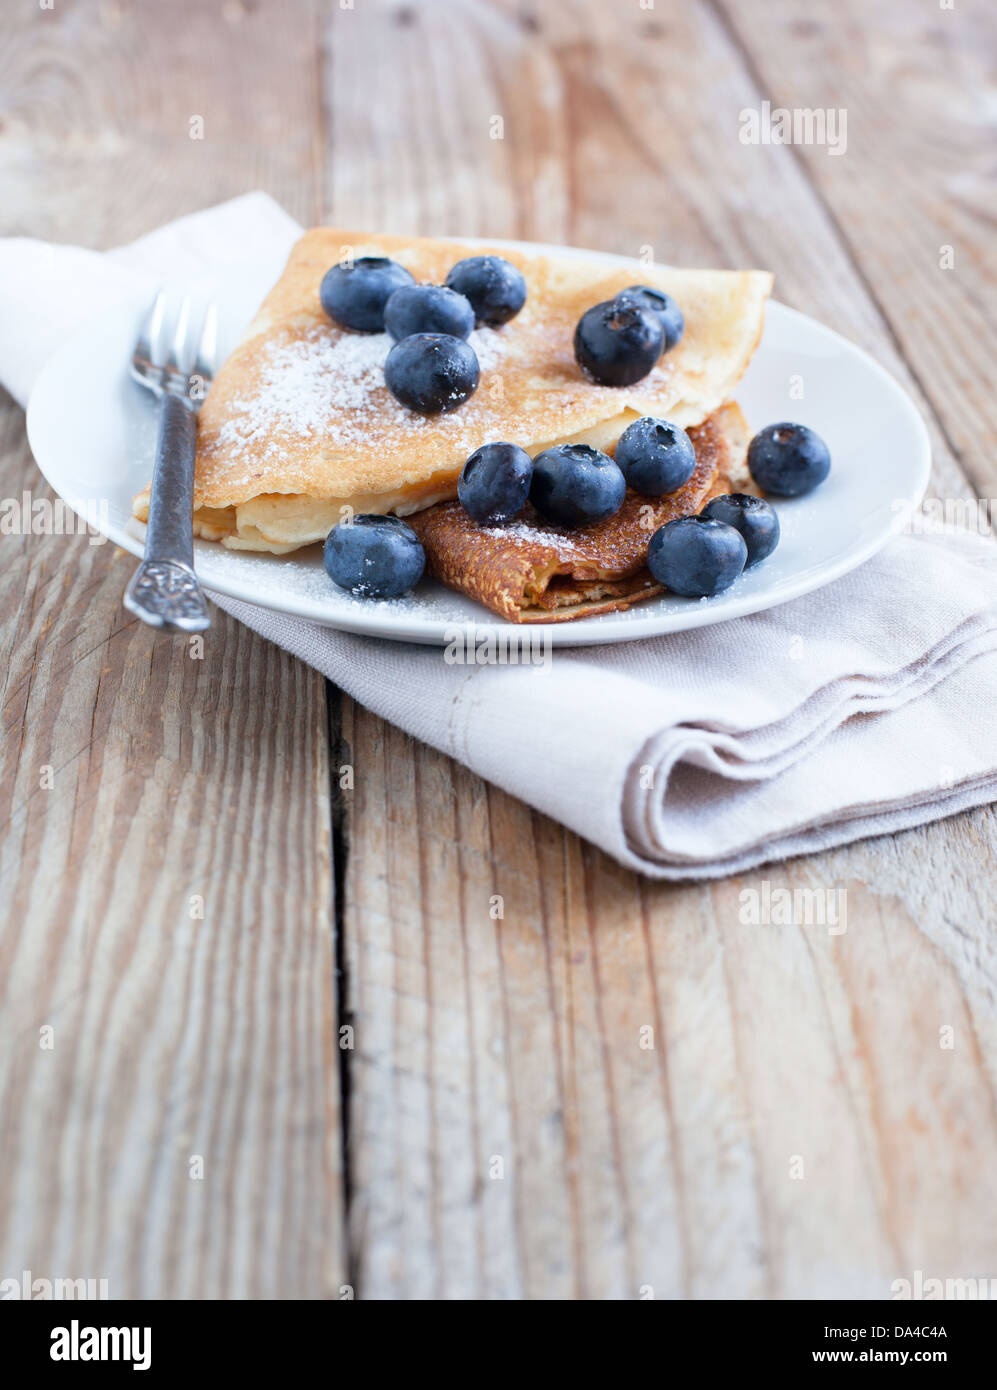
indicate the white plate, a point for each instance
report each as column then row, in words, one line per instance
column 93, row 432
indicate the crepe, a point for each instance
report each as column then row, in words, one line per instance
column 299, row 429
column 529, row 572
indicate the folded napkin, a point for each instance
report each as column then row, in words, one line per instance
column 861, row 709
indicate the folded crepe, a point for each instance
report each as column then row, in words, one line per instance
column 529, row 572
column 299, row 425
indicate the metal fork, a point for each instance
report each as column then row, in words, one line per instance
column 164, row 591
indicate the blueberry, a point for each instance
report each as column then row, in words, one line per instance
column 753, row 517
column 427, row 309
column 495, row 287
column 431, row 372
column 788, row 459
column 655, row 456
column 374, row 556
column 575, row 485
column 672, row 319
column 495, row 483
column 354, row 294
column 696, row 557
column 618, row 342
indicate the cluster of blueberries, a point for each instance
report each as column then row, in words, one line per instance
column 574, row 485
column 432, row 368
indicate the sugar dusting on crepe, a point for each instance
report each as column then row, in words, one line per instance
column 523, row 531
column 329, row 383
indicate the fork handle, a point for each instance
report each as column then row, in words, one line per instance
column 164, row 591
column 170, row 533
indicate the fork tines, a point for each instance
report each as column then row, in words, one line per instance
column 189, row 364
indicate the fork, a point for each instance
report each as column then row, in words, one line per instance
column 164, row 591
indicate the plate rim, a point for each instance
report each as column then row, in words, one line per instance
column 594, row 631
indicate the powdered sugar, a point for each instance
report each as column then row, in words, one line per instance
column 518, row 532
column 332, row 384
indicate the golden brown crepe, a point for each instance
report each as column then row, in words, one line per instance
column 529, row 572
column 299, row 424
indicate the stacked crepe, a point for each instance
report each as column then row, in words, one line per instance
column 299, row 431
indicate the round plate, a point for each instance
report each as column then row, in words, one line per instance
column 93, row 431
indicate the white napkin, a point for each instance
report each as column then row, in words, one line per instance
column 862, row 709
column 48, row 291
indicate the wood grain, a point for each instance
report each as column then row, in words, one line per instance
column 911, row 197
column 792, row 1131
column 565, row 1082
column 181, row 786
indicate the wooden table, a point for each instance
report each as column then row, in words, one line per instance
column 345, row 1073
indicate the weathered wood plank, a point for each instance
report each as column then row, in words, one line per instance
column 509, row 1135
column 669, row 1168
column 912, row 193
column 179, row 784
